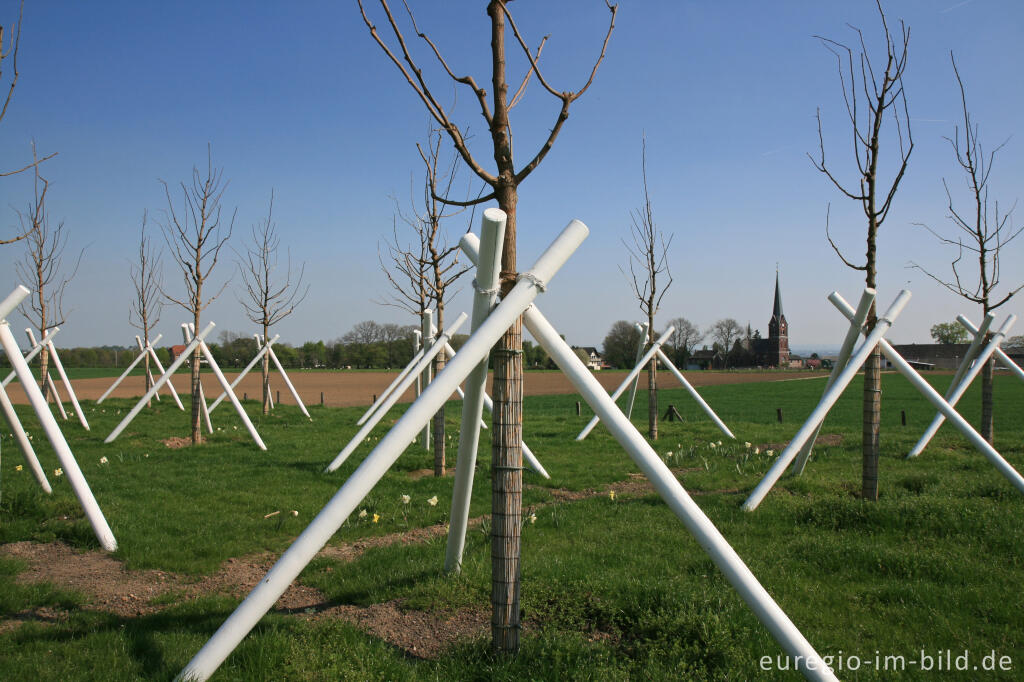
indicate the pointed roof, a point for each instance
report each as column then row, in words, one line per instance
column 777, row 310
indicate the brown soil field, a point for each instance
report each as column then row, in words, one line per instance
column 353, row 389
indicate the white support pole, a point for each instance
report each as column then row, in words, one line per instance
column 383, row 456
column 11, row 417
column 959, row 384
column 60, row 446
column 958, row 391
column 50, row 386
column 867, row 297
column 1004, row 359
column 427, row 327
column 288, row 383
column 145, row 353
column 945, row 408
column 395, row 395
column 492, row 230
column 67, row 383
column 629, row 378
column 643, row 329
column 171, row 369
column 827, row 401
column 160, row 368
column 682, row 505
column 187, row 330
column 417, row 346
column 528, row 456
column 231, row 395
column 30, row 355
column 391, row 387
column 125, row 373
column 238, row 379
column 693, row 393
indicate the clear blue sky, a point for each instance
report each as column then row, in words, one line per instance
column 296, row 97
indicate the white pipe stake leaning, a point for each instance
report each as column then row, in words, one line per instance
column 288, row 383
column 391, row 387
column 231, row 395
column 827, row 401
column 54, row 435
column 945, row 408
column 11, row 417
column 629, row 378
column 642, row 328
column 427, row 375
column 171, row 369
column 149, row 372
column 67, row 383
column 125, row 373
column 867, row 297
column 1004, row 359
column 693, row 393
column 50, row 386
column 187, row 330
column 962, row 380
column 30, row 355
column 682, row 505
column 492, row 229
column 383, row 456
column 395, row 395
column 241, row 375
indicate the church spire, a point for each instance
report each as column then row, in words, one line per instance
column 777, row 311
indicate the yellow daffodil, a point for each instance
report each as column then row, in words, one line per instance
column 58, row 472
column 18, row 468
column 376, row 518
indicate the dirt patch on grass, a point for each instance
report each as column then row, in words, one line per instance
column 175, row 442
column 424, row 473
column 824, row 440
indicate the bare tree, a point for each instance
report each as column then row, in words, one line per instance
column 506, row 483
column 982, row 231
column 725, row 332
column 11, row 55
column 147, row 278
column 268, row 299
column 685, row 338
column 421, row 274
column 43, row 268
column 195, row 237
column 648, row 259
column 872, row 94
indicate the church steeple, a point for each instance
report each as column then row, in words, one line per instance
column 778, row 331
column 777, row 310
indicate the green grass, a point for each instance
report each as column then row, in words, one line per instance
column 612, row 589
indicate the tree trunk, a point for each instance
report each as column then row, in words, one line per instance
column 44, row 362
column 197, row 432
column 987, row 420
column 266, row 371
column 871, row 418
column 146, row 371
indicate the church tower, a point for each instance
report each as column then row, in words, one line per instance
column 778, row 332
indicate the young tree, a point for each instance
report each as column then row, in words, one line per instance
column 195, row 237
column 504, row 182
column 648, row 259
column 684, row 339
column 981, row 231
column 421, row 275
column 147, row 278
column 42, row 267
column 268, row 299
column 949, row 332
column 873, row 94
column 725, row 332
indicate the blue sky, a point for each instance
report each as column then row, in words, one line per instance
column 296, row 97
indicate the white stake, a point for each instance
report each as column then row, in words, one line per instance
column 391, row 387
column 11, row 417
column 145, row 352
column 1004, row 359
column 231, row 395
column 30, row 355
column 635, row 372
column 288, row 383
column 681, row 504
column 57, row 441
column 964, row 376
column 693, row 393
column 390, row 447
column 428, row 371
column 492, row 230
column 125, row 373
column 945, row 408
column 827, row 401
column 170, row 386
column 187, row 330
column 50, row 386
column 393, row 398
column 67, row 383
column 867, row 297
column 642, row 328
column 238, row 379
column 171, row 369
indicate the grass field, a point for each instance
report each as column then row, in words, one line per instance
column 612, row 588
